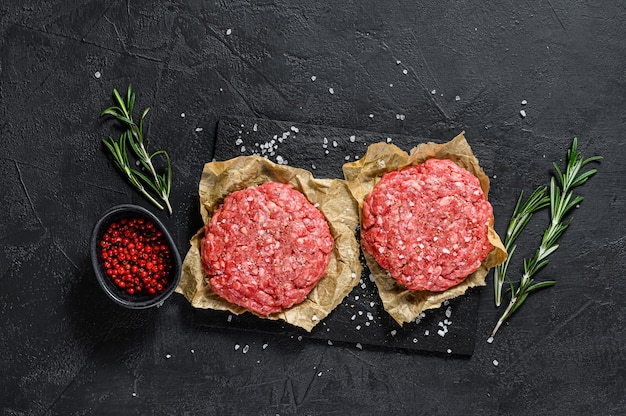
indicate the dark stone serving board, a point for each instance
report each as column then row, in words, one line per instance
column 360, row 319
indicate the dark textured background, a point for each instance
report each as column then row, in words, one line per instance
column 395, row 68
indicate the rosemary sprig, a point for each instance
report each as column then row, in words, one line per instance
column 159, row 183
column 520, row 218
column 561, row 201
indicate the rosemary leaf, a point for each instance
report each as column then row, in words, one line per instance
column 146, row 180
column 521, row 216
column 561, row 201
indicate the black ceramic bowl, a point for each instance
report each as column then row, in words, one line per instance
column 120, row 296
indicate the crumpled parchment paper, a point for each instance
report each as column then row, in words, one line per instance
column 333, row 199
column 362, row 175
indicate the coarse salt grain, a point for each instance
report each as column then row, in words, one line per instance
column 489, row 340
column 246, row 348
column 264, row 346
column 182, row 115
column 199, row 129
column 393, row 333
column 404, row 71
column 449, row 351
column 97, row 74
column 331, row 90
column 496, row 363
column 237, row 346
column 168, row 356
column 330, row 342
column 522, row 113
column 457, row 98
column 524, row 102
column 359, row 346
column 314, row 318
column 313, row 78
column 229, row 31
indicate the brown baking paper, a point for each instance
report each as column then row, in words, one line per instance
column 333, row 199
column 402, row 304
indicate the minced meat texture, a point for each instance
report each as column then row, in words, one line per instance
column 266, row 247
column 427, row 225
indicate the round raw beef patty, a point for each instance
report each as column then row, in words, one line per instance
column 427, row 225
column 266, row 247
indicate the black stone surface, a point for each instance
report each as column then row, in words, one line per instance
column 423, row 70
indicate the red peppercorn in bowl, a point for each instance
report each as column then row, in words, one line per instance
column 134, row 257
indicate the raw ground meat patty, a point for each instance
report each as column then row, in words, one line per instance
column 266, row 247
column 427, row 225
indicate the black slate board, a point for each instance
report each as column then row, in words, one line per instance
column 360, row 319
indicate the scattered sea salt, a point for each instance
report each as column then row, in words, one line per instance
column 524, row 102
column 433, row 92
column 489, row 340
column 371, row 116
column 313, row 78
column 414, row 340
column 295, row 129
column 457, row 98
column 182, row 115
column 359, row 346
column 352, row 139
column 393, row 333
column 229, row 31
column 449, row 351
column 331, row 90
column 199, row 129
column 168, row 356
column 314, row 318
column 264, row 346
column 398, row 62
column 97, row 75
column 192, row 351
column 404, row 71
column 246, row 348
column 522, row 113
column 330, row 342
column 237, row 347
column 495, row 362
column 300, row 338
